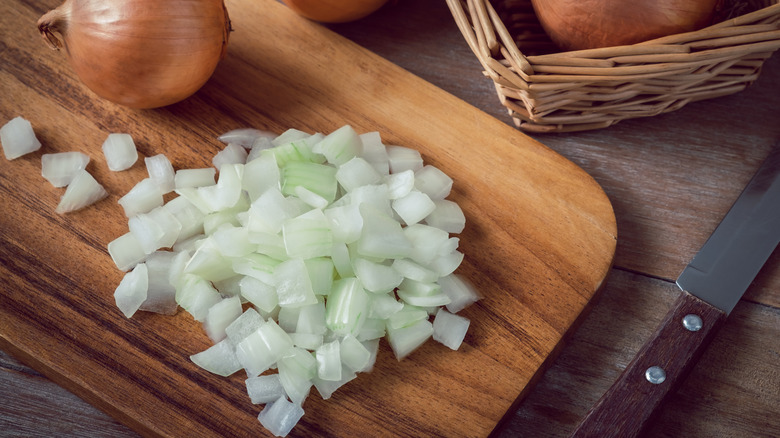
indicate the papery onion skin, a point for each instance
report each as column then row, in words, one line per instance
column 334, row 11
column 589, row 24
column 140, row 53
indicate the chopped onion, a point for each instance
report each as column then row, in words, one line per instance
column 60, row 168
column 353, row 353
column 220, row 315
column 231, row 154
column 413, row 207
column 161, row 294
column 132, row 290
column 447, row 216
column 243, row 326
column 245, row 136
column 120, row 151
column 404, row 340
column 280, row 416
column 142, row 198
column 184, row 178
column 403, row 158
column 264, row 389
column 433, row 182
column 330, row 242
column 161, row 171
column 461, row 293
column 18, row 138
column 263, row 348
column 219, row 359
column 82, row 191
column 355, row 173
column 126, row 251
column 449, row 329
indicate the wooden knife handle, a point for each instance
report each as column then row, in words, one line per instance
column 626, row 408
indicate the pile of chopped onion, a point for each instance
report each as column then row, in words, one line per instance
column 297, row 257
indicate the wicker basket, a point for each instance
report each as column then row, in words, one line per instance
column 549, row 91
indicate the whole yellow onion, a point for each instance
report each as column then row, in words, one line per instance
column 140, row 53
column 587, row 24
column 334, row 11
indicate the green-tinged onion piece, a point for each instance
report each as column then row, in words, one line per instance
column 298, row 254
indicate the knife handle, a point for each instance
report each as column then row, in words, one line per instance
column 656, row 371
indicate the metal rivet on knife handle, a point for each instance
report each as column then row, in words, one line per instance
column 692, row 322
column 655, row 375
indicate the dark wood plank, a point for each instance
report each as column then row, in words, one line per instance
column 35, row 407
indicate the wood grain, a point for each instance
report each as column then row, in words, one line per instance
column 555, row 244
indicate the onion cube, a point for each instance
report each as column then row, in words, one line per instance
column 160, row 170
column 259, row 293
column 81, row 192
column 340, row 146
column 461, row 293
column 414, row 207
column 18, row 138
column 188, row 215
column 433, row 182
column 354, row 354
column 399, row 184
column 261, row 349
column 243, row 326
column 264, row 389
column 405, row 340
column 142, row 198
column 161, row 296
column 374, row 152
column 196, row 296
column 403, row 158
column 219, row 359
column 132, row 290
column 120, row 151
column 326, row 388
column 245, row 136
column 60, row 168
column 220, row 316
column 293, row 285
column 448, row 216
column 449, row 329
column 231, row 154
column 280, row 416
column 376, row 277
column 192, row 178
column 329, row 361
column 355, row 173
column 126, row 251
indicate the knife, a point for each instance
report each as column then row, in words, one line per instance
column 711, row 284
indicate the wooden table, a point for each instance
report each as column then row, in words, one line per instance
column 670, row 178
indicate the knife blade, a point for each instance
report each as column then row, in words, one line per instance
column 711, row 284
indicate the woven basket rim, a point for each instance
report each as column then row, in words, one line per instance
column 583, row 89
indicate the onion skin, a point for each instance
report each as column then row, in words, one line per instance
column 140, row 53
column 334, row 11
column 588, row 24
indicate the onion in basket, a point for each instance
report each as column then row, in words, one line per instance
column 587, row 24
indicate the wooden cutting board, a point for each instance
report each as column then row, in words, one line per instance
column 539, row 240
